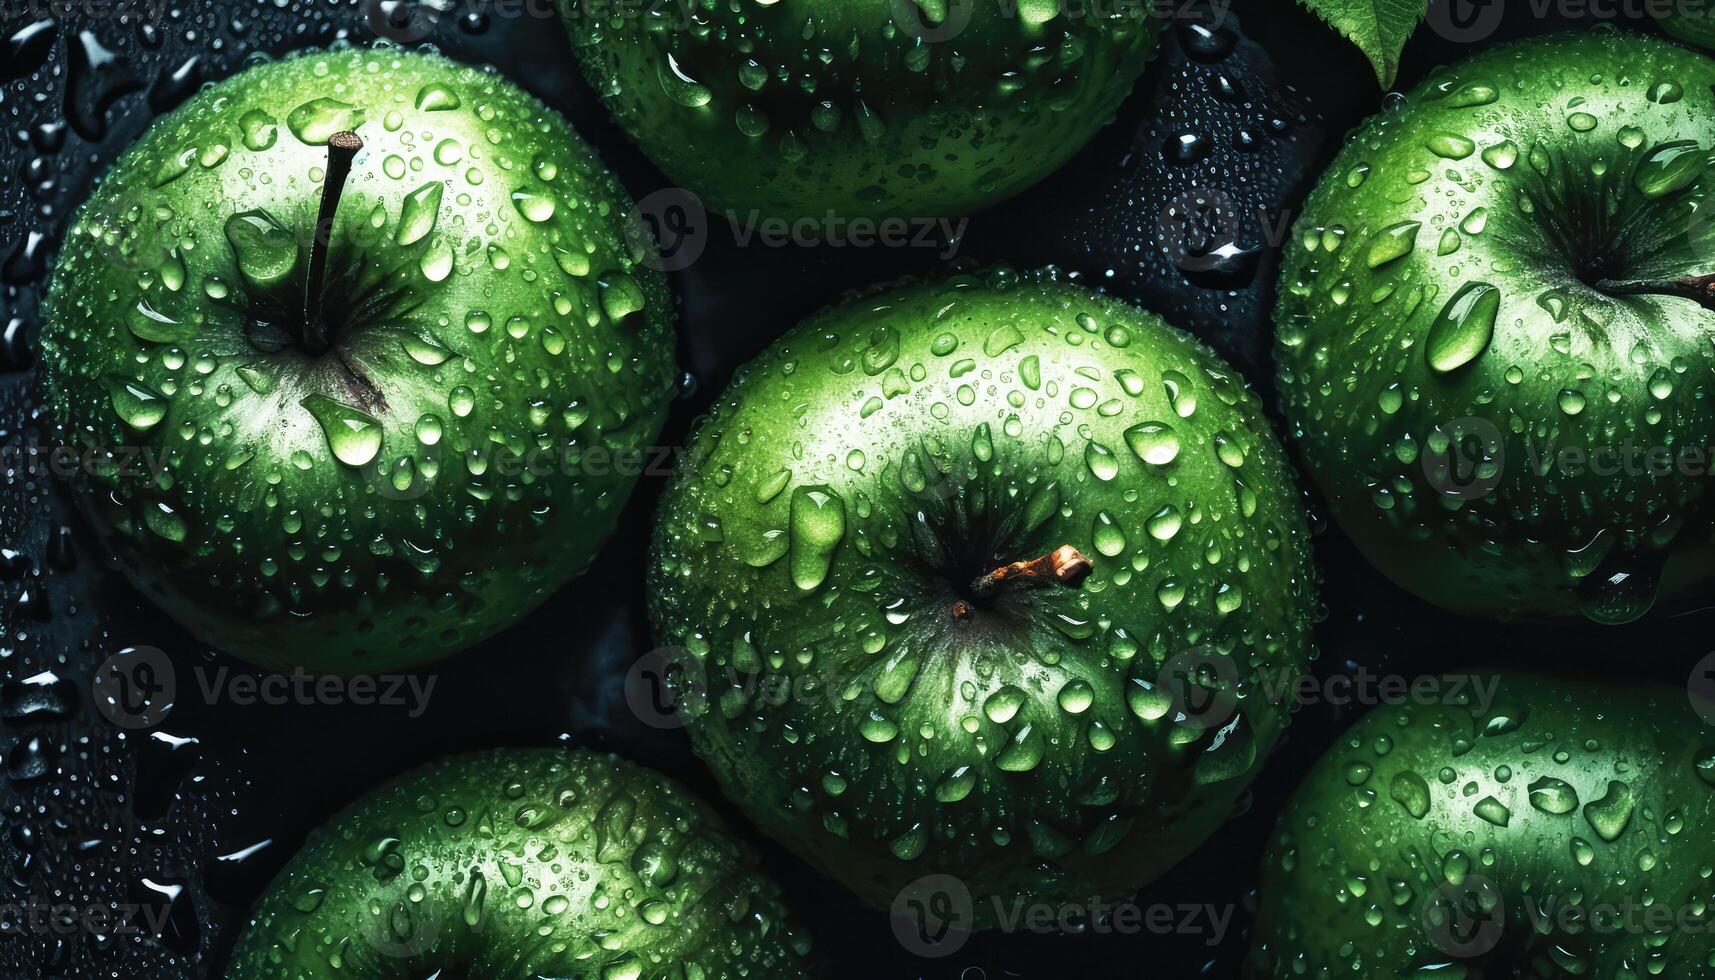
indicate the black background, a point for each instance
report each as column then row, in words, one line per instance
column 203, row 810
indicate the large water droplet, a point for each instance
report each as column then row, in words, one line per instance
column 1464, row 327
column 265, row 251
column 314, row 122
column 818, row 518
column 354, row 437
column 1670, row 167
column 417, row 216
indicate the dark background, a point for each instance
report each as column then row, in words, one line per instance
column 203, row 810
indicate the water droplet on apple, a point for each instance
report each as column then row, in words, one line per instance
column 141, row 408
column 419, row 213
column 1670, row 167
column 1463, row 329
column 265, row 251
column 354, row 437
column 1153, row 442
column 436, row 97
column 148, row 323
column 1392, row 243
column 259, row 130
column 818, row 517
column 315, row 121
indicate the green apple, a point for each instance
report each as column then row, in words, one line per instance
column 929, row 563
column 1494, row 330
column 1691, row 23
column 814, row 109
column 355, row 345
column 519, row 864
column 1562, row 829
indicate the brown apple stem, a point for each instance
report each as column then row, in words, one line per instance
column 342, row 148
column 1065, row 565
column 1699, row 289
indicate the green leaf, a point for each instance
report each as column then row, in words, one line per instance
column 1378, row 27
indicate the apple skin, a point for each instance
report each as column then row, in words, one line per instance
column 486, row 337
column 863, row 119
column 1487, row 173
column 828, row 517
column 1607, row 804
column 462, row 865
column 1692, row 27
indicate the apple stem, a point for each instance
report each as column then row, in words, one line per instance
column 1065, row 565
column 342, row 148
column 1700, row 289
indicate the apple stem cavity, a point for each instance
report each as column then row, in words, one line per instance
column 1064, row 565
column 1699, row 289
column 342, row 149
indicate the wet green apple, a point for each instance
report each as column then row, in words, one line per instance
column 1560, row 830
column 808, row 109
column 1694, row 24
column 519, row 864
column 929, row 563
column 354, row 346
column 1494, row 330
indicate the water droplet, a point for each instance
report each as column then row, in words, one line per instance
column 315, row 122
column 1670, row 167
column 1153, row 442
column 818, row 518
column 265, row 251
column 1392, row 243
column 1551, row 795
column 417, row 216
column 354, row 437
column 435, row 97
column 1609, row 815
column 141, row 408
column 1464, row 327
column 621, row 296
column 1410, row 791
